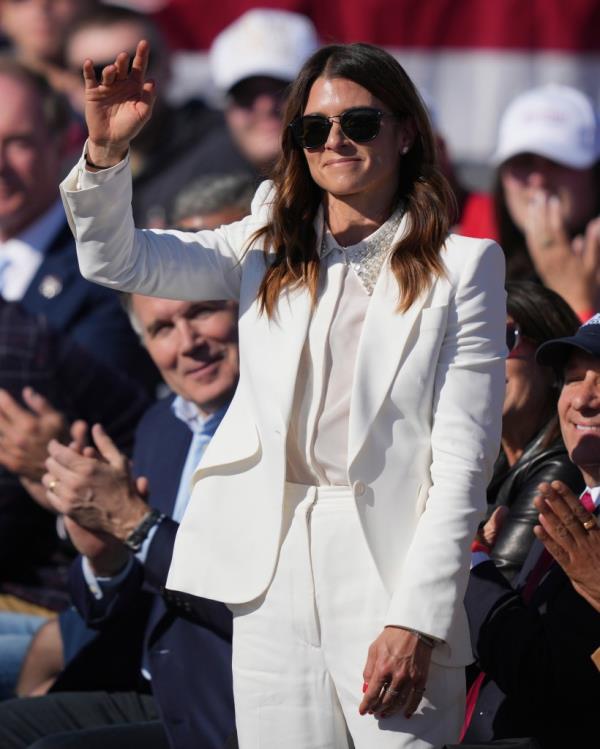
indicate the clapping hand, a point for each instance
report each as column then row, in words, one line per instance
column 572, row 536
column 94, row 489
column 118, row 106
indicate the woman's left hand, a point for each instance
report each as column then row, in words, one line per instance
column 395, row 674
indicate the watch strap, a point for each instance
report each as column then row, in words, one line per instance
column 139, row 534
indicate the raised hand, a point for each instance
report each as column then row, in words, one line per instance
column 118, row 106
column 571, row 268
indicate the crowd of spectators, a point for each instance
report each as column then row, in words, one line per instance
column 89, row 381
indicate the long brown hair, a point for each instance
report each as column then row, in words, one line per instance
column 430, row 203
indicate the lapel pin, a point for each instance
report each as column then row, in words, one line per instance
column 50, row 287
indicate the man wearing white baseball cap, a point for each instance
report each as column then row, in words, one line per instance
column 251, row 62
column 548, row 192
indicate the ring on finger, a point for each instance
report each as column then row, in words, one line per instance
column 392, row 692
column 53, row 484
column 590, row 523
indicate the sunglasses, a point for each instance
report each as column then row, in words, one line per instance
column 360, row 124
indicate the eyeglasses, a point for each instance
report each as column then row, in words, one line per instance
column 360, row 124
column 513, row 337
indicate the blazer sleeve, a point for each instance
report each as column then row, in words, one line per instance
column 465, row 438
column 97, row 611
column 172, row 264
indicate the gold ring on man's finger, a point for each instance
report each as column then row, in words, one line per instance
column 53, row 484
column 590, row 523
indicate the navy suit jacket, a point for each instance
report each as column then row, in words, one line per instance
column 90, row 314
column 187, row 640
column 541, row 681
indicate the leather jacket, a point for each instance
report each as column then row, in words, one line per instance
column 516, row 488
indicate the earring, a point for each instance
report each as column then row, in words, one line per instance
column 405, row 150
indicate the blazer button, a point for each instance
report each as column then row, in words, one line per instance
column 359, row 488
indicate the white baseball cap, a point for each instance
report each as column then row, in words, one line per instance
column 554, row 121
column 273, row 43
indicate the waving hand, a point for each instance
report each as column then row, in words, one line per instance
column 117, row 106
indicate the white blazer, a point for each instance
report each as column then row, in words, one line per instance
column 425, row 413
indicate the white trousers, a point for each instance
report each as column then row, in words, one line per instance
column 300, row 649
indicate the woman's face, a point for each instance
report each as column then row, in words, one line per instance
column 342, row 167
column 527, row 384
column 527, row 175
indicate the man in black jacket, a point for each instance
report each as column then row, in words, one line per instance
column 534, row 643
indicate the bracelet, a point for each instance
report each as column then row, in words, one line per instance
column 425, row 639
column 89, row 162
column 138, row 535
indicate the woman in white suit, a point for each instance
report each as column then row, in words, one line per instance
column 333, row 509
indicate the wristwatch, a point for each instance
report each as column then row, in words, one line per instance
column 139, row 534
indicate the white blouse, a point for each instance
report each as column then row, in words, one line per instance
column 317, row 442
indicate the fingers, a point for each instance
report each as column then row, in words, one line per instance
column 551, row 545
column 9, row 407
column 142, row 486
column 367, row 676
column 139, row 65
column 373, row 696
column 591, row 247
column 414, row 700
column 564, row 514
column 554, row 216
column 106, row 447
column 89, row 75
column 37, row 403
column 122, row 66
column 79, row 431
column 494, row 525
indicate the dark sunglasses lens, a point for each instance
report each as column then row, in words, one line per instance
column 511, row 337
column 313, row 131
column 361, row 125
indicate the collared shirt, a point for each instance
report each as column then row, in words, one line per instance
column 595, row 494
column 203, row 429
column 21, row 256
column 317, row 446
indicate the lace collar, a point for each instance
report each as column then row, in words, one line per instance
column 367, row 256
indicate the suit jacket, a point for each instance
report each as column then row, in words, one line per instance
column 91, row 315
column 541, row 679
column 425, row 410
column 187, row 642
column 33, row 562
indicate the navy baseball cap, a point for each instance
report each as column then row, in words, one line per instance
column 556, row 352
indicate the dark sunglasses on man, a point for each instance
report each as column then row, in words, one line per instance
column 359, row 124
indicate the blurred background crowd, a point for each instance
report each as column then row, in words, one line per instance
column 512, row 89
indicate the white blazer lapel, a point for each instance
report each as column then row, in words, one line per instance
column 383, row 339
column 286, row 332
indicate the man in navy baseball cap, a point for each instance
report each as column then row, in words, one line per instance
column 556, row 353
